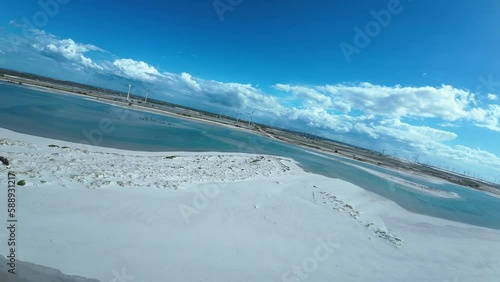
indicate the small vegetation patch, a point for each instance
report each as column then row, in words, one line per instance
column 4, row 161
column 53, row 146
column 259, row 158
column 21, row 183
column 470, row 183
column 170, row 157
column 65, row 147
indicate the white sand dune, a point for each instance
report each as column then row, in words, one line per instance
column 119, row 215
column 81, row 168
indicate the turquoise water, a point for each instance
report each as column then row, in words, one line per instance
column 66, row 117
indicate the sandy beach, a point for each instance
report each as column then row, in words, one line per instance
column 107, row 214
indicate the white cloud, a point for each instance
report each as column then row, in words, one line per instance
column 444, row 102
column 412, row 133
column 387, row 105
column 466, row 154
column 228, row 96
column 342, row 106
column 487, row 118
column 320, row 118
column 237, row 95
column 462, row 157
column 311, row 96
column 136, row 70
column 62, row 50
column 429, row 143
column 492, row 97
column 71, row 51
column 188, row 80
column 27, row 28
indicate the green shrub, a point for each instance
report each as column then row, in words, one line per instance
column 21, row 183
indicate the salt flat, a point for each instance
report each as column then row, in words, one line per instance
column 118, row 215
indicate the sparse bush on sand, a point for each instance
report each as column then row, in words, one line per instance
column 4, row 161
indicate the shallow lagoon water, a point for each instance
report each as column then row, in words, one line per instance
column 71, row 118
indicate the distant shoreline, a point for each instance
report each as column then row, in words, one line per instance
column 321, row 146
column 137, row 107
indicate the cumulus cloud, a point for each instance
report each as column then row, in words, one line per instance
column 189, row 81
column 138, row 70
column 71, row 51
column 320, row 118
column 61, row 50
column 461, row 157
column 429, row 143
column 238, row 95
column 486, row 117
column 467, row 154
column 311, row 96
column 492, row 97
column 323, row 119
column 407, row 132
column 443, row 102
column 395, row 102
column 342, row 106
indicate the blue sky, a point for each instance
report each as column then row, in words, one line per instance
column 425, row 80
